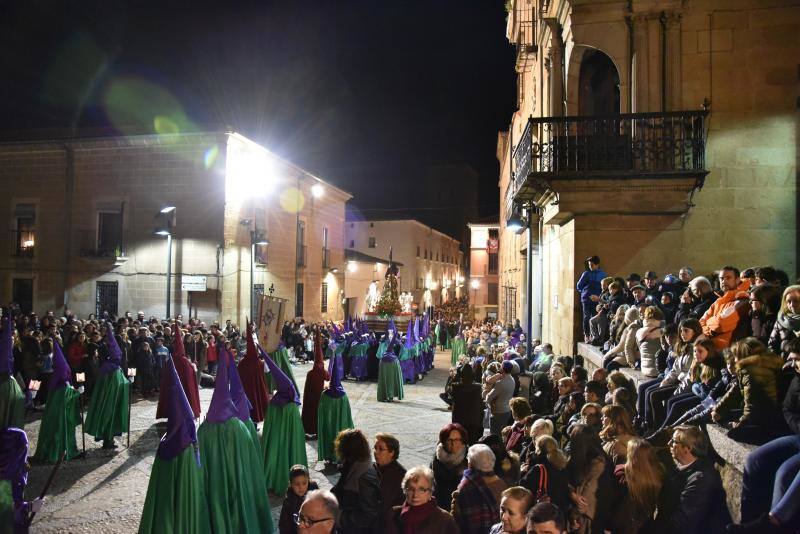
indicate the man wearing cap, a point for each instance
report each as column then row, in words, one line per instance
column 651, row 285
column 589, row 286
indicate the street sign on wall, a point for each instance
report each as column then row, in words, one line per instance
column 193, row 283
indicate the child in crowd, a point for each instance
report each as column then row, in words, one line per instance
column 161, row 357
column 299, row 484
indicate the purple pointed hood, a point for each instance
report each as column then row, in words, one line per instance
column 334, row 388
column 112, row 363
column 61, row 370
column 13, row 457
column 7, row 346
column 392, row 327
column 286, row 392
column 180, row 420
column 410, row 335
column 416, row 329
column 426, row 327
column 336, row 333
column 238, row 396
column 221, row 408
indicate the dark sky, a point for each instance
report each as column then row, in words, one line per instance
column 359, row 92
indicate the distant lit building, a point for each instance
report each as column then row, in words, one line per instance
column 483, row 268
column 81, row 215
column 432, row 271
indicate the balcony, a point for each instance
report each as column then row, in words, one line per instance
column 565, row 152
column 90, row 248
column 23, row 243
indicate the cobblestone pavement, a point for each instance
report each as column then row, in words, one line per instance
column 106, row 491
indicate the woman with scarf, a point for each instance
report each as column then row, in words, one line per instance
column 787, row 326
column 476, row 501
column 449, row 462
column 419, row 514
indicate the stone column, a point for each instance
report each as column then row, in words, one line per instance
column 672, row 27
column 639, row 78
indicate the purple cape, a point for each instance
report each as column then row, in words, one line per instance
column 222, row 408
column 180, row 419
column 286, row 392
column 61, row 370
column 114, row 359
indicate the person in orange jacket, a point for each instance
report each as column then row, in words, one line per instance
column 721, row 319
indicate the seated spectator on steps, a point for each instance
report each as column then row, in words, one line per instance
column 721, row 319
column 696, row 300
column 626, row 352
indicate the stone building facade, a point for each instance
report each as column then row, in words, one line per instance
column 654, row 134
column 433, row 263
column 81, row 214
column 483, row 268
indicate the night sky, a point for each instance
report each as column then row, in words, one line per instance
column 358, row 92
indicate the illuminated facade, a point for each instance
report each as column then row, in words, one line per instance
column 484, row 251
column 432, row 269
column 653, row 134
column 81, row 216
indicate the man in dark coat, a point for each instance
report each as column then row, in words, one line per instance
column 702, row 505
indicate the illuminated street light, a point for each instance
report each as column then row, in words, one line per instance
column 317, row 190
column 351, row 266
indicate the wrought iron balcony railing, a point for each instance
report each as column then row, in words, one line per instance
column 617, row 146
column 23, row 243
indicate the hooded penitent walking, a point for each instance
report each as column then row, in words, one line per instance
column 283, row 442
column 107, row 415
column 61, row 414
column 390, row 377
column 12, row 399
column 315, row 383
column 176, row 499
column 251, row 372
column 334, row 414
column 187, row 376
column 235, row 488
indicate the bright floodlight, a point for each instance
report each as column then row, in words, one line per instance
column 262, row 241
column 167, row 209
column 317, row 190
column 351, row 266
column 162, row 231
column 251, row 173
column 474, row 284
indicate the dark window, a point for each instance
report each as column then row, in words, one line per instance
column 106, row 298
column 426, row 253
column 326, row 258
column 418, row 251
column 372, row 225
column 324, row 307
column 492, row 296
column 22, row 294
column 493, row 263
column 325, row 237
column 258, row 290
column 109, row 234
column 352, row 243
column 298, row 304
column 300, row 244
column 372, row 242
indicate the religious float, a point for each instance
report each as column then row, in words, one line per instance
column 390, row 305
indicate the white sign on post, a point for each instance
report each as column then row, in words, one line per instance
column 193, row 283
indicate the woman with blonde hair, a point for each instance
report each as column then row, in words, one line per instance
column 654, row 487
column 616, row 433
column 787, row 323
column 548, row 476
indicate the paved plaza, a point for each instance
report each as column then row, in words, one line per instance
column 106, row 491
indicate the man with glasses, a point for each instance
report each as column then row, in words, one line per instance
column 702, row 505
column 318, row 514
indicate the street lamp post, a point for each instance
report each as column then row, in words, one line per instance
column 168, row 212
column 518, row 224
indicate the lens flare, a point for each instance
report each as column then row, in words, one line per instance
column 210, row 156
column 292, row 200
column 133, row 104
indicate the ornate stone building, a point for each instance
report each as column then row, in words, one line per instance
column 654, row 134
